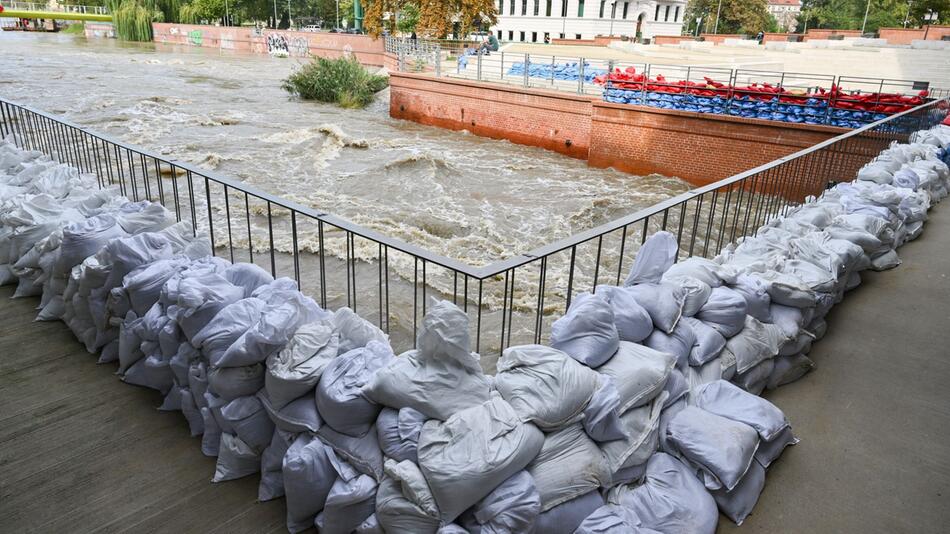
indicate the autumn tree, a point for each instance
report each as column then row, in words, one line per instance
column 436, row 18
column 736, row 16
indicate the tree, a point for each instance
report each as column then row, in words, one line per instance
column 849, row 14
column 736, row 16
column 436, row 19
column 408, row 18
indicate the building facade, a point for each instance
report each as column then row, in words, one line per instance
column 534, row 20
column 785, row 13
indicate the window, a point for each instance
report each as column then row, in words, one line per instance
column 511, row 35
column 602, row 2
column 656, row 16
column 511, row 9
column 522, row 37
column 667, row 17
column 613, row 11
column 676, row 17
column 562, row 36
column 580, row 8
column 501, row 6
column 499, row 35
column 547, row 12
column 577, row 36
column 625, row 6
column 524, row 7
column 563, row 8
column 534, row 37
column 537, row 7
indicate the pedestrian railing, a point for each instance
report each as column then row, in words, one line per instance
column 389, row 281
column 65, row 8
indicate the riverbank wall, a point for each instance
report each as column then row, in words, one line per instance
column 366, row 49
column 699, row 148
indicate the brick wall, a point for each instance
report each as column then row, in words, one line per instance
column 548, row 119
column 719, row 38
column 671, row 39
column 826, row 34
column 576, row 42
column 700, row 148
column 936, row 33
column 366, row 49
column 900, row 36
column 778, row 37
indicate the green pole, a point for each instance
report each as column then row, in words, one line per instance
column 357, row 15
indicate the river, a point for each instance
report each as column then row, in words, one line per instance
column 467, row 197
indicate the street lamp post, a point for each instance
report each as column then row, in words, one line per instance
column 227, row 14
column 337, row 15
column 718, row 10
column 698, row 20
column 866, row 11
column 275, row 14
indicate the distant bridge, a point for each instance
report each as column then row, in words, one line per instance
column 54, row 11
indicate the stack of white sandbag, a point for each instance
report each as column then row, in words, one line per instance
column 641, row 415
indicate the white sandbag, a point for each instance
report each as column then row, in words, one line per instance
column 671, row 499
column 789, row 319
column 83, row 239
column 200, row 298
column 755, row 379
column 632, row 320
column 370, row 526
column 340, row 399
column 354, row 331
column 272, row 464
column 249, row 421
column 398, row 433
column 236, row 459
column 612, row 519
column 755, row 291
column 664, row 302
column 277, row 324
column 885, row 261
column 639, row 373
column 362, row 452
column 473, row 451
column 769, row 451
column 211, row 438
column 226, row 327
column 666, row 415
column 676, row 387
column 641, row 426
column 296, row 369
column 151, row 372
column 726, row 400
column 755, row 343
column 308, row 476
column 247, row 276
column 191, row 412
column 695, row 293
column 587, row 331
column 738, row 503
column 709, row 342
column 678, row 344
column 404, row 502
column 602, row 414
column 720, row 447
column 152, row 217
column 352, row 499
column 439, row 379
column 296, row 416
column 230, row 383
column 568, row 465
column 566, row 517
column 511, row 507
column 544, row 385
column 788, row 369
column 707, row 271
column 725, row 310
column 787, row 289
column 654, row 258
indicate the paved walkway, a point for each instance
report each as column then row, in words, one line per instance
column 874, row 416
column 80, row 452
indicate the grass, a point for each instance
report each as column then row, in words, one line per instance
column 341, row 81
column 75, row 28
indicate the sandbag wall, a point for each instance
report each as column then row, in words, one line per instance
column 642, row 413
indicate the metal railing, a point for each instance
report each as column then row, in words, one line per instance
column 65, row 8
column 389, row 281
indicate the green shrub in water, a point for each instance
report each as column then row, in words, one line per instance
column 342, row 81
column 76, row 27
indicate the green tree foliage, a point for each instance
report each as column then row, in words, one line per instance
column 436, row 18
column 408, row 18
column 198, row 11
column 342, row 81
column 737, row 16
column 849, row 14
column 132, row 19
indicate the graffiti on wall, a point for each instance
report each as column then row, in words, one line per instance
column 277, row 45
column 299, row 47
column 227, row 41
column 195, row 37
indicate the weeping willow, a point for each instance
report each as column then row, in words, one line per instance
column 189, row 14
column 132, row 19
